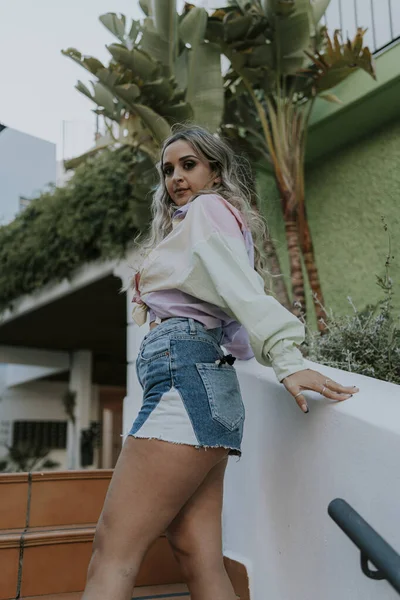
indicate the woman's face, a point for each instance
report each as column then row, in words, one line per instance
column 185, row 173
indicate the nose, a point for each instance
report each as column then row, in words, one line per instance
column 177, row 175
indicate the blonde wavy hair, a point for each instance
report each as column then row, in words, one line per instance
column 232, row 187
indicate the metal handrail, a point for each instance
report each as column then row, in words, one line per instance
column 372, row 546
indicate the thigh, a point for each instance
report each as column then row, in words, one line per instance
column 152, row 480
column 196, row 531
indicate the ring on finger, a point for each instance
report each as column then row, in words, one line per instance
column 323, row 389
column 298, row 394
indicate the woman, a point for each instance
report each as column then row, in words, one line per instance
column 201, row 288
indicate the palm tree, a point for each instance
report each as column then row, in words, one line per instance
column 162, row 71
column 282, row 59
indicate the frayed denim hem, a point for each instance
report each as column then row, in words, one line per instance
column 232, row 451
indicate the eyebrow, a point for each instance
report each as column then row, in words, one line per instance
column 182, row 159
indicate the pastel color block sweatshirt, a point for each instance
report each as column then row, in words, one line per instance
column 204, row 269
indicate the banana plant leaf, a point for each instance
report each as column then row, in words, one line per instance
column 87, row 62
column 145, row 6
column 206, row 92
column 204, row 79
column 137, row 61
column 165, row 19
column 158, row 126
column 340, row 60
column 115, row 24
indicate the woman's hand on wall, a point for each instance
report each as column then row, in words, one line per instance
column 308, row 379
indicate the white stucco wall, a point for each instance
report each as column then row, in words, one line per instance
column 293, row 464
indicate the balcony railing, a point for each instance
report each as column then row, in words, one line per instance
column 381, row 18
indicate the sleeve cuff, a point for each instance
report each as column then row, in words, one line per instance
column 286, row 359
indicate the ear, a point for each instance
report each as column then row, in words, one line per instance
column 217, row 179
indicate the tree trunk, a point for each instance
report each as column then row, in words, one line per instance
column 296, row 272
column 279, row 285
column 307, row 249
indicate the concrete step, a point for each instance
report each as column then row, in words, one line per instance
column 52, row 498
column 159, row 592
column 47, row 524
column 43, row 561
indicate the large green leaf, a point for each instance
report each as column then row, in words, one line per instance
column 165, row 19
column 293, row 34
column 129, row 92
column 274, row 8
column 108, row 78
column 182, row 69
column 103, row 97
column 160, row 89
column 137, row 61
column 152, row 43
column 193, row 26
column 145, row 6
column 260, row 56
column 204, row 81
column 236, row 28
column 178, row 113
column 116, row 24
column 158, row 126
column 81, row 87
column 87, row 62
column 205, row 92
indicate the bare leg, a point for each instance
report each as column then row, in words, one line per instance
column 151, row 482
column 195, row 536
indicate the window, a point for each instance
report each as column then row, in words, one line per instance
column 43, row 434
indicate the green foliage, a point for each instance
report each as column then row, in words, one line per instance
column 365, row 342
column 95, row 216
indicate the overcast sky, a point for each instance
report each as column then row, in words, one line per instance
column 37, row 83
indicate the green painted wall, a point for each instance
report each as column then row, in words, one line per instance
column 347, row 193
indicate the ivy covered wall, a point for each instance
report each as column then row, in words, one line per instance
column 95, row 216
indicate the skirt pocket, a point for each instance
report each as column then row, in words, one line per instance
column 223, row 392
column 153, row 349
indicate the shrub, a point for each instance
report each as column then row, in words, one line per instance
column 365, row 342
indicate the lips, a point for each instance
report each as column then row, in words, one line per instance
column 177, row 191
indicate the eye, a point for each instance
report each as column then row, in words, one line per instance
column 167, row 171
column 189, row 164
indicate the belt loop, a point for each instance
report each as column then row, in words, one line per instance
column 192, row 327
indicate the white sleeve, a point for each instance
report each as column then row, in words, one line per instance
column 220, row 273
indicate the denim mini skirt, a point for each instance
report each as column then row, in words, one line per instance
column 189, row 397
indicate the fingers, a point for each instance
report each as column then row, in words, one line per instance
column 308, row 379
column 301, row 401
column 334, row 391
column 340, row 389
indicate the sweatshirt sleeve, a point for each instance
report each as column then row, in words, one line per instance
column 219, row 272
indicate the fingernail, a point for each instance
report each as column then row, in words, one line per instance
column 305, row 408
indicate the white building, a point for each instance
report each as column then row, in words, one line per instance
column 27, row 166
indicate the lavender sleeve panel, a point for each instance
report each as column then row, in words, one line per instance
column 240, row 345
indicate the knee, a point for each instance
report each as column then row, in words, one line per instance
column 196, row 559
column 110, row 547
